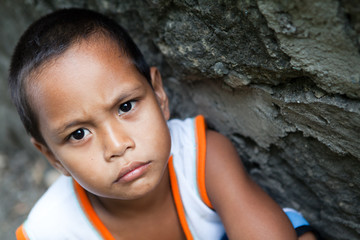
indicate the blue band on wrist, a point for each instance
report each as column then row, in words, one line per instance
column 295, row 218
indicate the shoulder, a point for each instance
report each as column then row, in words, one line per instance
column 49, row 211
column 53, row 198
column 56, row 212
column 221, row 153
column 218, row 144
column 225, row 174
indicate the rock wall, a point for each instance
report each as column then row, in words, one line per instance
column 280, row 78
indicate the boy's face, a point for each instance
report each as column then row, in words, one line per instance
column 103, row 123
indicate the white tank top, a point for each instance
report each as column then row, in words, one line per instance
column 65, row 212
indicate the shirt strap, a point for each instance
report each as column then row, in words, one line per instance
column 200, row 135
column 21, row 233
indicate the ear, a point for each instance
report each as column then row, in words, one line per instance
column 160, row 93
column 50, row 156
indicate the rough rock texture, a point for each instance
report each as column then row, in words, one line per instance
column 280, row 78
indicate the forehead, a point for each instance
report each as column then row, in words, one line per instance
column 83, row 52
column 82, row 59
column 98, row 44
column 89, row 71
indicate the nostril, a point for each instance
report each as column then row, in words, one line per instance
column 116, row 140
column 117, row 149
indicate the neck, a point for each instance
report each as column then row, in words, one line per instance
column 127, row 208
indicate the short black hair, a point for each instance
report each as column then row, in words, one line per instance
column 48, row 38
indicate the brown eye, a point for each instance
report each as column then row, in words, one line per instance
column 126, row 107
column 79, row 134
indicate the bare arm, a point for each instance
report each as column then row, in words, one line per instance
column 246, row 210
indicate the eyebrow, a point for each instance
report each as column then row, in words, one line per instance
column 59, row 131
column 115, row 101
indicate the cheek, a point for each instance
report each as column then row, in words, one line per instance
column 79, row 160
column 153, row 130
column 160, row 142
column 151, row 133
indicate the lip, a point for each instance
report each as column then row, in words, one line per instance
column 132, row 172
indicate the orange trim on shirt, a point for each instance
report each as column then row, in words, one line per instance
column 90, row 212
column 177, row 200
column 21, row 233
column 200, row 132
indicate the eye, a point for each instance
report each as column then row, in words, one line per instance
column 126, row 107
column 79, row 134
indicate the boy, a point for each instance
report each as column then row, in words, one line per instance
column 99, row 115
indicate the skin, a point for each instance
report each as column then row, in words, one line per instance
column 102, row 119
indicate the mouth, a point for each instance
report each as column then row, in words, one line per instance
column 132, row 172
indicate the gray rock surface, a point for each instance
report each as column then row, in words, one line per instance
column 280, row 78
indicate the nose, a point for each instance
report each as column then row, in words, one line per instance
column 116, row 140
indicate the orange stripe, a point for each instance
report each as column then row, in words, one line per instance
column 177, row 200
column 200, row 132
column 21, row 234
column 90, row 212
